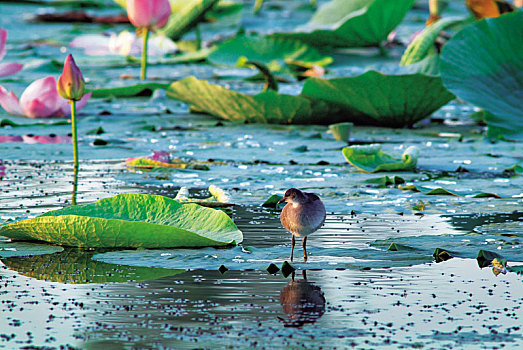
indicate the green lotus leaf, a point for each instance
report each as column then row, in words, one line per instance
column 470, row 246
column 267, row 50
column 429, row 191
column 371, row 159
column 486, row 195
column 483, row 65
column 77, row 267
column 265, row 107
column 385, row 181
column 375, row 98
column 129, row 220
column 355, row 23
column 143, row 89
column 486, row 257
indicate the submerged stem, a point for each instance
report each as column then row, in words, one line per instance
column 143, row 72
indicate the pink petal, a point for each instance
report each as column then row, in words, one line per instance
column 139, row 12
column 44, row 139
column 40, row 99
column 65, row 106
column 37, row 109
column 91, row 41
column 161, row 156
column 3, row 40
column 9, row 68
column 83, row 101
column 148, row 13
column 9, row 102
column 9, row 138
column 64, row 110
column 160, row 12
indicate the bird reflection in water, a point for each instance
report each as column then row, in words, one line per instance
column 302, row 301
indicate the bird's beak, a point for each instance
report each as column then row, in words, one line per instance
column 282, row 200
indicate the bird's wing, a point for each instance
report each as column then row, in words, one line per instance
column 311, row 196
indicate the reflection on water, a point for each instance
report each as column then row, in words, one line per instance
column 77, row 266
column 302, row 301
column 75, row 186
column 449, row 305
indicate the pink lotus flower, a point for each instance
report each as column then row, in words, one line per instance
column 148, row 13
column 71, row 84
column 39, row 100
column 157, row 156
column 6, row 68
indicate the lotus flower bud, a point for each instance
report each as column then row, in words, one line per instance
column 71, row 84
column 148, row 13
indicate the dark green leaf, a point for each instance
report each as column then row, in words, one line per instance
column 395, row 100
column 274, row 52
column 355, row 23
column 491, row 76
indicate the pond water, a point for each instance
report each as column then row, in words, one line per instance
column 358, row 293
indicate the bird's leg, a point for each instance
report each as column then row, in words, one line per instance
column 305, row 248
column 293, row 241
column 304, row 274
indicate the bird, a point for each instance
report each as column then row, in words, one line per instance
column 303, row 214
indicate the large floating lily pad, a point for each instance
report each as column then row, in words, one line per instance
column 375, row 98
column 491, row 76
column 372, row 159
column 77, row 267
column 354, row 23
column 274, row 52
column 265, row 107
column 129, row 220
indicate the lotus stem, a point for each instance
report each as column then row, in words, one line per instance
column 143, row 73
column 270, row 81
column 383, row 50
column 198, row 37
column 434, row 8
column 434, row 12
column 75, row 137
